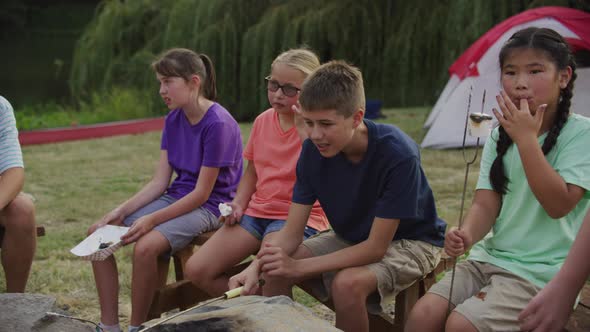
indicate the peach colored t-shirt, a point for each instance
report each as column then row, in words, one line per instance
column 274, row 153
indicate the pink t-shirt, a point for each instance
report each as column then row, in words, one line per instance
column 274, row 153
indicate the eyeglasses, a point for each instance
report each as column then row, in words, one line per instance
column 288, row 90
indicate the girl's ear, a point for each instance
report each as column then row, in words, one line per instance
column 196, row 81
column 565, row 75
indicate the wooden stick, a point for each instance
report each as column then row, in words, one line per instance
column 230, row 294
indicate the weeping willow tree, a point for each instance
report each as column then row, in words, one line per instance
column 403, row 48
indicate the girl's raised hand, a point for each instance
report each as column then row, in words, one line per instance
column 296, row 108
column 235, row 216
column 299, row 123
column 519, row 123
column 457, row 241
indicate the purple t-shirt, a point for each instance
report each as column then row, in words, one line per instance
column 213, row 142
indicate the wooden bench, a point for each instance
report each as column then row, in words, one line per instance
column 40, row 232
column 404, row 301
column 182, row 294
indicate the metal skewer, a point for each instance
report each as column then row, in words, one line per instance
column 230, row 294
column 468, row 163
column 98, row 328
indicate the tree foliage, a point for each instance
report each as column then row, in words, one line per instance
column 403, row 47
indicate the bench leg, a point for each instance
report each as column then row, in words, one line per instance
column 182, row 294
column 404, row 302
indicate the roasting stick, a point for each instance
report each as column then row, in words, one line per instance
column 468, row 163
column 230, row 294
column 98, row 328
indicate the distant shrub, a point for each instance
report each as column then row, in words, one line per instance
column 404, row 48
column 115, row 105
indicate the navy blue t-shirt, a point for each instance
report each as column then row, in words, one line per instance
column 387, row 183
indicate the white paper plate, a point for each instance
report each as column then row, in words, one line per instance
column 88, row 249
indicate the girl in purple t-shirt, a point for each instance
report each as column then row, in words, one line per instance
column 201, row 143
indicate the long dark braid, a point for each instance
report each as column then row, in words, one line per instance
column 558, row 51
column 497, row 176
column 563, row 111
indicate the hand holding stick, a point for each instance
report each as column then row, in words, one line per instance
column 230, row 294
column 468, row 163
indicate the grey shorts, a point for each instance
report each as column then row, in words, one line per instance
column 488, row 296
column 181, row 230
column 405, row 262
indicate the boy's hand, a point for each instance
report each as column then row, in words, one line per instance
column 549, row 310
column 520, row 124
column 457, row 241
column 276, row 263
column 235, row 216
column 247, row 278
column 139, row 228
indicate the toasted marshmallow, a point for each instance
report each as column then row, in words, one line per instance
column 480, row 124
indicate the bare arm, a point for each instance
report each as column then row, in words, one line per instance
column 478, row 222
column 369, row 251
column 550, row 309
column 11, row 183
column 247, row 186
column 576, row 268
column 291, row 235
column 246, row 189
column 275, row 263
column 196, row 198
column 556, row 196
column 287, row 240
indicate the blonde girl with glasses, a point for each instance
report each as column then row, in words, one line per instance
column 262, row 202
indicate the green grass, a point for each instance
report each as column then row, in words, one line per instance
column 76, row 183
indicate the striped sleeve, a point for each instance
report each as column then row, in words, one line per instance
column 10, row 152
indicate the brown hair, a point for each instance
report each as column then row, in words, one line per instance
column 182, row 62
column 335, row 85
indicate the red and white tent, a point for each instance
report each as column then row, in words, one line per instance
column 478, row 67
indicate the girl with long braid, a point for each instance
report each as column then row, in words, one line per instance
column 531, row 195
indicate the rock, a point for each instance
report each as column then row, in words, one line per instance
column 248, row 313
column 27, row 312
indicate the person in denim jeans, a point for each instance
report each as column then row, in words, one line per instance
column 263, row 199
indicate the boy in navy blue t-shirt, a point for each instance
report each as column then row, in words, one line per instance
column 367, row 177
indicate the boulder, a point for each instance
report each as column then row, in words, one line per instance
column 248, row 313
column 28, row 312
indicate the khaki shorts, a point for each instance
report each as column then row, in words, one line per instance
column 404, row 262
column 486, row 295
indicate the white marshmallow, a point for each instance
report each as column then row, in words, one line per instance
column 225, row 209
